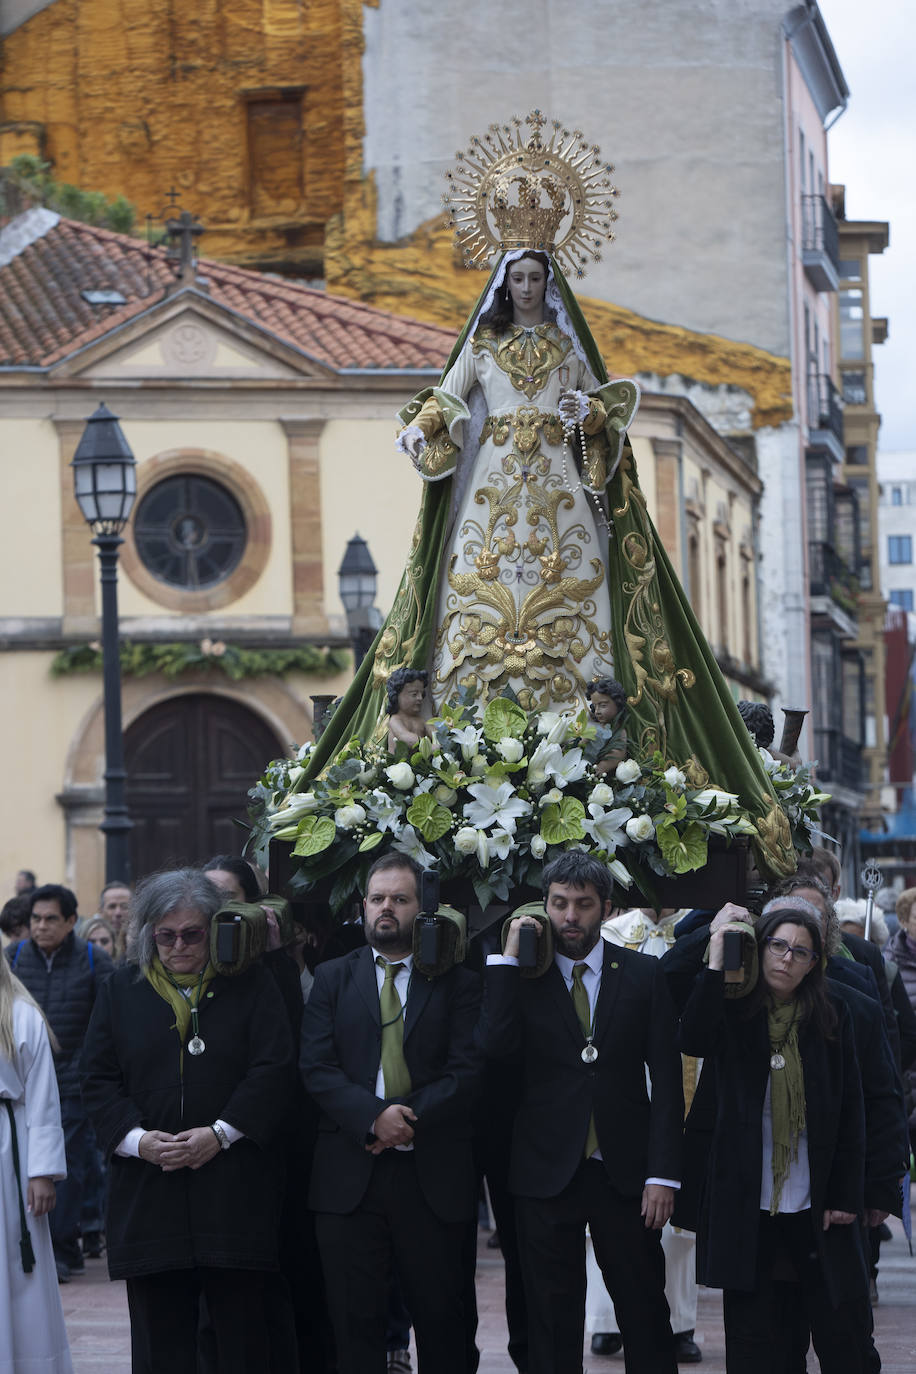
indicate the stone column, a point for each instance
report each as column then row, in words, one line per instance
column 303, row 437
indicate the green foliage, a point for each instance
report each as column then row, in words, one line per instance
column 28, row 181
column 229, row 660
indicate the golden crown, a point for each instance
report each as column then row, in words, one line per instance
column 513, row 189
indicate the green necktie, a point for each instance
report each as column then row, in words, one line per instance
column 394, row 1065
column 580, row 1002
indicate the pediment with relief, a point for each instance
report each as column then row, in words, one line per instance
column 192, row 344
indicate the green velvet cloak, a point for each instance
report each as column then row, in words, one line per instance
column 678, row 701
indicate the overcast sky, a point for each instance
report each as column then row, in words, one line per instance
column 872, row 149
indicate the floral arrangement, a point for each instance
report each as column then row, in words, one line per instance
column 489, row 796
column 207, row 655
column 797, row 796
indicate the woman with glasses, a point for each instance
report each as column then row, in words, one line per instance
column 186, row 1076
column 782, row 1193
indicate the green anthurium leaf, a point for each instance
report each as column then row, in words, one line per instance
column 502, row 719
column 684, row 851
column 371, row 841
column 562, row 821
column 428, row 817
column 316, row 833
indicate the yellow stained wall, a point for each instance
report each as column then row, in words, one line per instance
column 30, row 559
column 41, row 715
column 138, row 96
column 367, row 488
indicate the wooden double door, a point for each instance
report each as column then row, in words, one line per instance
column 190, row 762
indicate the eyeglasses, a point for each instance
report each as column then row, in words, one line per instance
column 168, row 938
column 801, row 954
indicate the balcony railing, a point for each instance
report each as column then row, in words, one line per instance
column 820, row 243
column 839, row 759
column 831, row 576
column 825, row 409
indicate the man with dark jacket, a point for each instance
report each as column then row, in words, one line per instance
column 590, row 1146
column 63, row 974
column 389, row 1057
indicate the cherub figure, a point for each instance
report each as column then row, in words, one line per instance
column 607, row 702
column 406, row 701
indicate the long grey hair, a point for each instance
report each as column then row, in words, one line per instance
column 157, row 897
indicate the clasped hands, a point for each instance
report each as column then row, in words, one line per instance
column 393, row 1126
column 188, row 1150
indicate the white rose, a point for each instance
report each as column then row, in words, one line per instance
column 675, row 778
column 628, row 770
column 538, row 846
column 511, row 750
column 479, row 766
column 346, row 817
column 445, row 796
column 466, row 839
column 640, row 828
column 401, row 776
column 602, row 794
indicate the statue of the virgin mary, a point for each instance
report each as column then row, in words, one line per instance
column 534, row 565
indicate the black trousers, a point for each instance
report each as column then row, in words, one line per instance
column 551, row 1234
column 165, row 1315
column 394, row 1226
column 761, row 1328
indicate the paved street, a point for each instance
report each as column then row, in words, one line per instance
column 96, row 1313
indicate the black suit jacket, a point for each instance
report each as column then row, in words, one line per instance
column 533, row 1024
column 736, row 1052
column 885, row 1120
column 339, row 1060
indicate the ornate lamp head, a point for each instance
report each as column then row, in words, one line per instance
column 517, row 190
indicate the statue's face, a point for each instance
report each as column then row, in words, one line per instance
column 410, row 698
column 527, row 283
column 604, row 708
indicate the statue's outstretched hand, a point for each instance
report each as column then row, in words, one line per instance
column 412, row 442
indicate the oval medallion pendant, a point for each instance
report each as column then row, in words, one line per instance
column 196, row 1045
column 777, row 1061
column 589, row 1054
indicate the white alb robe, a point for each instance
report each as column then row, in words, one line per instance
column 33, row 1338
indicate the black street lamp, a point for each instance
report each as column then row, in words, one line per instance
column 357, row 577
column 105, row 486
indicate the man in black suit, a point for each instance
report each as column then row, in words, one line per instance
column 590, row 1145
column 389, row 1057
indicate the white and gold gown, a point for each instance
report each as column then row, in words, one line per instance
column 523, row 601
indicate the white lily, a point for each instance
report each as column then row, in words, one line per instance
column 568, row 767
column 483, row 849
column 548, row 721
column 607, row 827
column 495, row 806
column 409, row 842
column 385, row 811
column 297, row 806
column 724, row 801
column 501, row 843
column 469, row 740
column 537, row 766
column 622, row 874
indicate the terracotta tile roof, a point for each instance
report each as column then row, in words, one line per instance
column 44, row 316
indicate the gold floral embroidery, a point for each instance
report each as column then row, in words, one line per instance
column 657, row 674
column 526, row 356
column 515, row 613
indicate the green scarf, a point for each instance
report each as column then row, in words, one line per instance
column 787, row 1092
column 168, row 986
